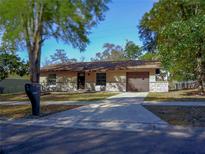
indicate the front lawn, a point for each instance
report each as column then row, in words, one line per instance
column 21, row 111
column 181, row 95
column 59, row 96
column 180, row 115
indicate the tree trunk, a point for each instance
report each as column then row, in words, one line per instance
column 33, row 35
column 34, row 30
column 33, row 89
column 34, row 58
column 200, row 73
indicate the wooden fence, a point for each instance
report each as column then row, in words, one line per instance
column 183, row 85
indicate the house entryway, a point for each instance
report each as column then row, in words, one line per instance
column 137, row 81
column 81, row 80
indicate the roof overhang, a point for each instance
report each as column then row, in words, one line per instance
column 103, row 66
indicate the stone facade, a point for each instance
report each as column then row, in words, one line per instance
column 116, row 86
column 159, row 86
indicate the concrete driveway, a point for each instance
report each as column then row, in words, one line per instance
column 120, row 112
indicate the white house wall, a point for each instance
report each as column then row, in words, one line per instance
column 115, row 80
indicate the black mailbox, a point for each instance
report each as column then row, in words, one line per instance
column 33, row 93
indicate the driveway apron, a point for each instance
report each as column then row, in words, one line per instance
column 120, row 112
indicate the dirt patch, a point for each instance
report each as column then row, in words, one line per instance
column 194, row 93
column 180, row 115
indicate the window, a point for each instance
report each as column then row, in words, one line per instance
column 51, row 79
column 101, row 79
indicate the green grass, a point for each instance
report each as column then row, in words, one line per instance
column 180, row 115
column 181, row 95
column 59, row 96
column 15, row 76
column 21, row 111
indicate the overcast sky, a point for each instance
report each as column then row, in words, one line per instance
column 120, row 24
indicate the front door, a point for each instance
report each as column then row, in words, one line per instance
column 81, row 80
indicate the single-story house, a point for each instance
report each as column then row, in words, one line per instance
column 131, row 76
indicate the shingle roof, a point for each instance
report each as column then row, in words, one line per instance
column 102, row 65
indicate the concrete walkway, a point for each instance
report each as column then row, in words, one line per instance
column 51, row 102
column 125, row 97
column 120, row 112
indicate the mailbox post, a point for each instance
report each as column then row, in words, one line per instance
column 33, row 92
